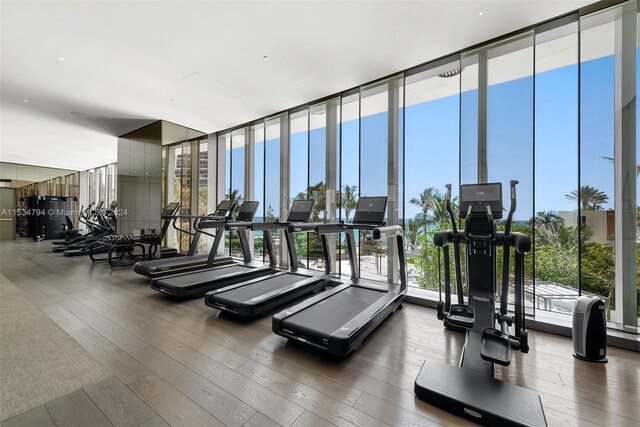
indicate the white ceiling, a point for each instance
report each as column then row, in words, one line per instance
column 200, row 64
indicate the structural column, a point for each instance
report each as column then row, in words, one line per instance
column 331, row 129
column 393, row 170
column 482, row 117
column 625, row 165
column 284, row 184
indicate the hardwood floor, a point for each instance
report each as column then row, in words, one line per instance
column 180, row 363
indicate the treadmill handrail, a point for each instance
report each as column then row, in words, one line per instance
column 381, row 231
column 334, row 228
column 299, row 227
column 175, row 219
column 387, row 231
column 210, row 223
column 248, row 225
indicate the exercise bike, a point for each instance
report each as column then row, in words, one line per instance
column 470, row 389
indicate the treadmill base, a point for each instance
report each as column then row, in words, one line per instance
column 478, row 397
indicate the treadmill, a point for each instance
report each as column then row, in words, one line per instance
column 200, row 282
column 261, row 295
column 191, row 261
column 168, row 214
column 338, row 320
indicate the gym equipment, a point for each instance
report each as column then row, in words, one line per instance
column 198, row 283
column 589, row 329
column 47, row 216
column 69, row 232
column 155, row 240
column 84, row 218
column 102, row 222
column 338, row 320
column 259, row 296
column 191, row 261
column 117, row 246
column 471, row 390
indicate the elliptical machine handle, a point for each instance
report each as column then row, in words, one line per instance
column 512, row 209
column 449, row 210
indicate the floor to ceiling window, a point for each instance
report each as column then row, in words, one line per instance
column 432, row 118
column 556, row 243
column 272, row 193
column 545, row 106
column 299, row 187
column 349, row 167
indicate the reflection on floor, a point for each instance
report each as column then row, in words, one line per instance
column 187, row 366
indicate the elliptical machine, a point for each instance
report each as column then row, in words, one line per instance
column 470, row 390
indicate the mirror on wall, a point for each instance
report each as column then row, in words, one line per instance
column 139, row 179
column 150, row 177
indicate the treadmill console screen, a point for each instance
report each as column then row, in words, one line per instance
column 171, row 209
column 224, row 207
column 301, row 210
column 247, row 211
column 370, row 210
column 479, row 196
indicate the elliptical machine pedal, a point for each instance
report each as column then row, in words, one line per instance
column 462, row 315
column 495, row 346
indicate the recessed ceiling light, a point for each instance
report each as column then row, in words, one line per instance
column 26, row 100
column 481, row 13
column 266, row 58
column 171, row 100
column 61, row 58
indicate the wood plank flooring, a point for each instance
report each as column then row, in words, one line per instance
column 181, row 363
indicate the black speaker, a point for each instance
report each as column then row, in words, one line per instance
column 589, row 329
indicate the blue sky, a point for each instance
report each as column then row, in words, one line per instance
column 432, row 138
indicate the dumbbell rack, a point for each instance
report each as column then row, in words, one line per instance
column 116, row 252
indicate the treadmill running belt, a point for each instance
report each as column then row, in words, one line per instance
column 168, row 263
column 324, row 318
column 253, row 290
column 201, row 277
column 179, row 261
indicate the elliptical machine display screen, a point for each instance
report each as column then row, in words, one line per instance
column 480, row 195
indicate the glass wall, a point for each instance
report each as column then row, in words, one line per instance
column 272, row 191
column 556, row 240
column 432, row 131
column 299, row 187
column 545, row 107
column 102, row 184
column 349, row 181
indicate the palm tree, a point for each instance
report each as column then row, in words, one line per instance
column 348, row 199
column 552, row 231
column 425, row 200
column 412, row 230
column 590, row 198
column 440, row 215
column 548, row 218
column 318, row 192
column 234, row 196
